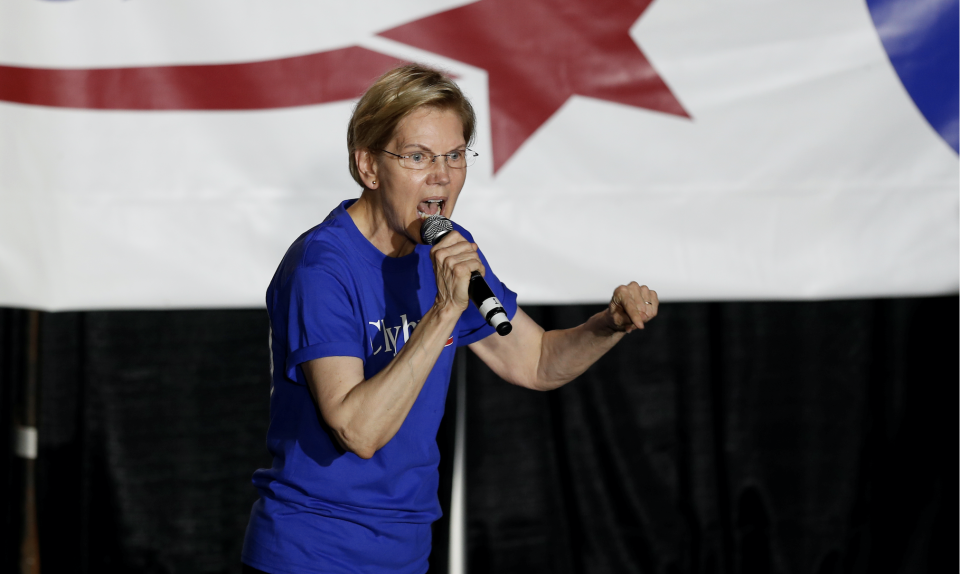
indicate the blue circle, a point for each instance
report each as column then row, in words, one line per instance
column 922, row 39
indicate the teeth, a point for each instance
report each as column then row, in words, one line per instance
column 439, row 203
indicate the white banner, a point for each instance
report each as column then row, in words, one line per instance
column 165, row 154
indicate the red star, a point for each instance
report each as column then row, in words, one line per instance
column 538, row 53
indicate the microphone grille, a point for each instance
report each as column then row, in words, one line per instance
column 434, row 227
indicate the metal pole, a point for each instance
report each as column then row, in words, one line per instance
column 458, row 513
column 26, row 448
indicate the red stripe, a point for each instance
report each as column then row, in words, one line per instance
column 298, row 81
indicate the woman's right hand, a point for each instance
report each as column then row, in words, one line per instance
column 365, row 414
column 454, row 259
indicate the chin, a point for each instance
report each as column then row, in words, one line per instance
column 412, row 232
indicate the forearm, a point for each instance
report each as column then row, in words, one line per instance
column 367, row 416
column 566, row 353
column 366, row 413
column 531, row 358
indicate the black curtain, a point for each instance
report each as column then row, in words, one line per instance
column 806, row 437
column 777, row 437
column 151, row 424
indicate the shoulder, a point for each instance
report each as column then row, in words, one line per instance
column 466, row 234
column 322, row 250
column 469, row 237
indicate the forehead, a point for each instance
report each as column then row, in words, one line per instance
column 431, row 127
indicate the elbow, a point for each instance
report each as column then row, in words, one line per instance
column 363, row 450
column 539, row 380
column 534, row 383
column 547, row 386
column 350, row 442
column 531, row 383
column 355, row 433
column 365, row 453
column 543, row 382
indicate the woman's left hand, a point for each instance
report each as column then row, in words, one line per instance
column 632, row 306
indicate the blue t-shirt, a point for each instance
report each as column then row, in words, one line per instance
column 322, row 509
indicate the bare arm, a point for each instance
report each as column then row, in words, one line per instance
column 365, row 414
column 540, row 360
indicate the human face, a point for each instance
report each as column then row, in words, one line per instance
column 408, row 195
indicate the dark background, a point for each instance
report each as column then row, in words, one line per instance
column 780, row 437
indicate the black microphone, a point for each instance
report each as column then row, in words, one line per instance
column 431, row 231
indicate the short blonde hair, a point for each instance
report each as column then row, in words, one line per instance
column 393, row 97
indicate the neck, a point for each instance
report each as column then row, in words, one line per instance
column 367, row 214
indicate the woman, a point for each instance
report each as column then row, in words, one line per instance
column 365, row 321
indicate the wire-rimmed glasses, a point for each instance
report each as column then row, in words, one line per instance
column 458, row 159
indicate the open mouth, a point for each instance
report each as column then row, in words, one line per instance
column 429, row 207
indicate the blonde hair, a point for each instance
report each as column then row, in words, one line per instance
column 393, row 97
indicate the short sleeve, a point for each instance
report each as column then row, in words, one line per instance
column 322, row 319
column 472, row 327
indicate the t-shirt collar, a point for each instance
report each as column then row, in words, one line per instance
column 368, row 251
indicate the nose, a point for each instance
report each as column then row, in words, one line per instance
column 439, row 172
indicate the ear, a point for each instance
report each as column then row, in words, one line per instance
column 368, row 167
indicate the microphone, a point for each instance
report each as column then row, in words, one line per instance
column 432, row 230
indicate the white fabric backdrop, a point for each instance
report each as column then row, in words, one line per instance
column 804, row 170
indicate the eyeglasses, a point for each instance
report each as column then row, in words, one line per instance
column 420, row 160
